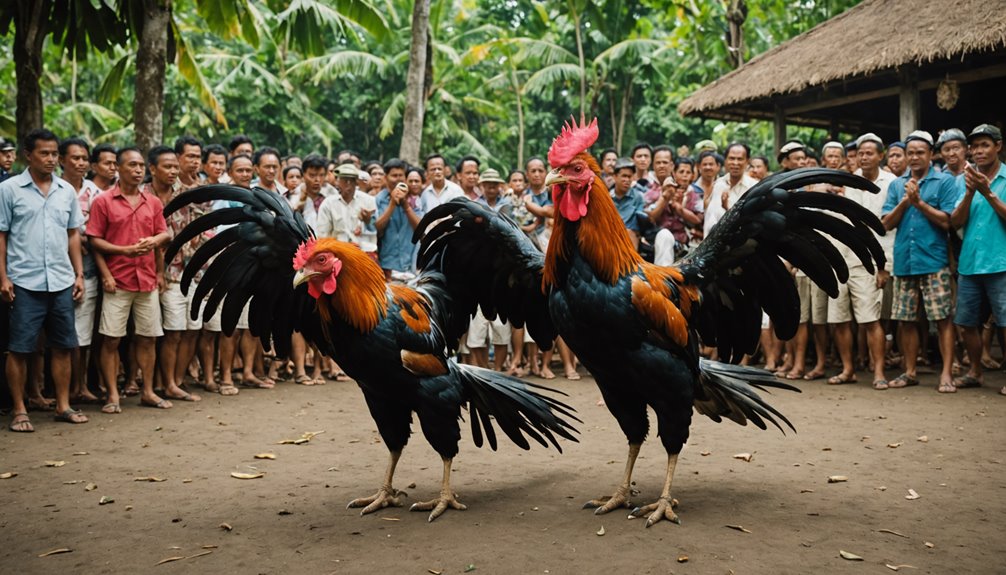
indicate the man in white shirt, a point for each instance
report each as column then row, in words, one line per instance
column 729, row 188
column 440, row 190
column 348, row 215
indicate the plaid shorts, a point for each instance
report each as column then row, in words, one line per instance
column 933, row 290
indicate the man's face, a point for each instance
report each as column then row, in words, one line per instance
column 852, row 161
column 75, row 163
column 709, row 167
column 663, row 164
column 896, row 160
column 415, row 183
column 190, row 159
column 43, row 159
column 245, row 148
column 536, row 174
column 267, row 169
column 491, row 190
column 343, row 158
column 641, row 158
column 794, row 160
column 833, row 158
column 165, row 171
column 377, row 177
column 736, row 161
column 314, row 178
column 984, row 151
column 216, row 165
column 7, row 159
column 331, row 174
column 131, row 168
column 758, row 170
column 241, row 172
column 396, row 176
column 517, row 183
column 106, row 167
column 623, row 180
column 434, row 171
column 469, row 176
column 346, row 186
column 953, row 154
column 608, row 163
column 684, row 175
column 919, row 155
column 869, row 156
column 293, row 178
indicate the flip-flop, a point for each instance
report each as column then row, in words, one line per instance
column 903, row 380
column 946, row 387
column 20, row 420
column 162, row 404
column 111, row 408
column 880, row 384
column 813, row 375
column 304, row 380
column 229, row 389
column 573, row 376
column 841, row 379
column 966, row 382
column 68, row 415
column 187, row 397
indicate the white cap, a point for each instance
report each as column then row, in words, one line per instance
column 833, row 144
column 870, row 137
column 920, row 135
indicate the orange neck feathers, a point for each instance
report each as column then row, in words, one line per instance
column 600, row 236
column 360, row 298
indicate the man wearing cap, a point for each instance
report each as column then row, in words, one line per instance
column 918, row 205
column 627, row 201
column 952, row 147
column 861, row 298
column 792, row 155
column 981, row 213
column 729, row 188
column 395, row 221
column 851, row 157
column 347, row 214
column 897, row 163
column 7, row 152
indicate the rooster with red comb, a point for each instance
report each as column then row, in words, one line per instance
column 394, row 340
column 636, row 326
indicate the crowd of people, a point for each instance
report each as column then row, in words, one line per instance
column 83, row 235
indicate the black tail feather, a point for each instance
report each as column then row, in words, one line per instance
column 728, row 392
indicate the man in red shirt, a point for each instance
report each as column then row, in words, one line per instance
column 126, row 225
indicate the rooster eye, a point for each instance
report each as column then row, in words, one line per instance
column 579, row 168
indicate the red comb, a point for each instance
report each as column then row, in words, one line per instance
column 303, row 254
column 571, row 141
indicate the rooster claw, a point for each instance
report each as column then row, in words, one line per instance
column 385, row 497
column 436, row 507
column 608, row 503
column 662, row 509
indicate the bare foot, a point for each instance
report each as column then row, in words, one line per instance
column 546, row 373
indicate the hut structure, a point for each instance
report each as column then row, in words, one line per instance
column 883, row 66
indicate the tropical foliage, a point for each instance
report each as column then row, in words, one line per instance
column 321, row 75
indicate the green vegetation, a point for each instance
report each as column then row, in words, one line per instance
column 319, row 75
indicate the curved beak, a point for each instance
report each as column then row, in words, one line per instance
column 555, row 177
column 303, row 275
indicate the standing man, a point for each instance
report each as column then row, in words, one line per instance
column 441, row 190
column 396, row 220
column 104, row 167
column 918, row 206
column 126, row 226
column 627, row 200
column 952, row 146
column 266, row 162
column 981, row 213
column 897, row 163
column 7, row 152
column 642, row 156
column 41, row 273
column 731, row 186
column 189, row 152
column 468, row 177
column 347, row 215
column 215, row 164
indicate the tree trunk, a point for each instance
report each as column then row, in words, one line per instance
column 626, row 101
column 583, row 66
column 415, row 96
column 151, row 63
column 737, row 13
column 29, row 34
column 520, row 117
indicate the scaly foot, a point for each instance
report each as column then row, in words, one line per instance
column 662, row 509
column 437, row 506
column 606, row 504
column 385, row 497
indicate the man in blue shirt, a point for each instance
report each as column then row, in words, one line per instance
column 627, row 200
column 396, row 219
column 41, row 273
column 7, row 152
column 919, row 205
column 981, row 287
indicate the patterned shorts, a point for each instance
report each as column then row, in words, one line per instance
column 932, row 289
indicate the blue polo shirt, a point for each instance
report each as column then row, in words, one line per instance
column 394, row 246
column 38, row 256
column 628, row 206
column 921, row 246
column 984, row 250
column 542, row 199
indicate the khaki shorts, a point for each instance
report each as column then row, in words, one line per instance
column 480, row 330
column 84, row 312
column 243, row 319
column 813, row 302
column 858, row 299
column 175, row 308
column 932, row 289
column 146, row 309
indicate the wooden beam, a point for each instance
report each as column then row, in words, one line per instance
column 779, row 130
column 843, row 100
column 909, row 117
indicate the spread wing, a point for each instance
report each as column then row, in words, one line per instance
column 738, row 266
column 489, row 262
column 249, row 261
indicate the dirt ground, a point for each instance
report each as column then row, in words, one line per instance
column 524, row 511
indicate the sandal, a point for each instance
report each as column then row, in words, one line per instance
column 304, row 379
column 794, row 375
column 880, row 384
column 813, row 375
column 841, row 379
column 20, row 423
column 111, row 408
column 162, row 404
column 903, row 380
column 70, row 416
column 211, row 387
column 131, row 390
column 228, row 389
column 256, row 383
column 573, row 375
column 946, row 387
column 967, row 381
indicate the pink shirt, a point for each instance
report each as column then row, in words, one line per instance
column 114, row 220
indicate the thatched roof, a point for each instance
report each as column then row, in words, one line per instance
column 890, row 34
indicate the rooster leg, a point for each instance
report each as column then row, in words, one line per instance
column 447, row 498
column 386, row 496
column 621, row 496
column 664, row 507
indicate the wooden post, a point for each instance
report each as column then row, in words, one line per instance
column 780, row 128
column 908, row 101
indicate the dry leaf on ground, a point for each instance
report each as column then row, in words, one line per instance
column 739, row 528
column 600, row 532
column 265, row 456
column 169, row 560
column 8, row 475
column 90, row 487
column 898, row 567
column 55, row 463
column 57, row 551
column 837, row 479
column 743, row 456
column 912, row 495
column 226, row 527
column 682, row 559
column 150, row 479
column 105, row 500
column 850, row 556
column 892, row 532
column 239, row 475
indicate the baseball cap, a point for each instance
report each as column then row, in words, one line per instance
column 6, row 145
column 870, row 137
column 788, row 148
column 949, row 136
column 347, row 171
column 922, row 136
column 986, row 130
column 833, row 144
